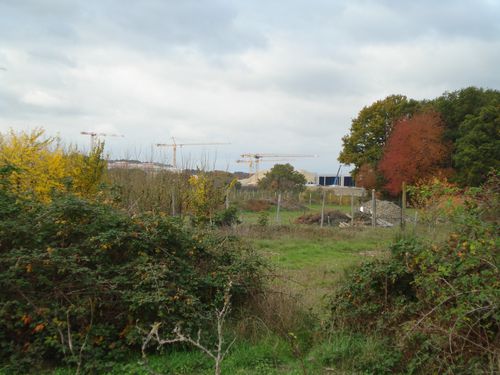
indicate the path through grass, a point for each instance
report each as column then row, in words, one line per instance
column 311, row 259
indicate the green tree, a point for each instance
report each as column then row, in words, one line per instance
column 478, row 146
column 455, row 106
column 283, row 177
column 370, row 130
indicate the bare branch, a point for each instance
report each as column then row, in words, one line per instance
column 217, row 355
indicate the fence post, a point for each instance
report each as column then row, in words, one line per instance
column 278, row 208
column 403, row 205
column 374, row 209
column 352, row 209
column 173, row 203
column 323, row 209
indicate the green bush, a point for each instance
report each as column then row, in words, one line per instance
column 77, row 277
column 439, row 301
column 377, row 295
column 263, row 219
column 227, row 217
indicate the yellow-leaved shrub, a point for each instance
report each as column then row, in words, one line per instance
column 38, row 166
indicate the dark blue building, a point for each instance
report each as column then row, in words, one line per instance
column 329, row 180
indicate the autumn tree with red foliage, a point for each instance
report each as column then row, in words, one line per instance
column 415, row 150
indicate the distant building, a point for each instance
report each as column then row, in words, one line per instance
column 136, row 164
column 334, row 180
column 312, row 179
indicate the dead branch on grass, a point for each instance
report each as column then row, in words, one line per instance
column 217, row 355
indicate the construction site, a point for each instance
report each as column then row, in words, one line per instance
column 338, row 201
column 253, row 161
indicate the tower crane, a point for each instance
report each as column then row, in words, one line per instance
column 254, row 163
column 94, row 135
column 174, row 146
column 255, row 159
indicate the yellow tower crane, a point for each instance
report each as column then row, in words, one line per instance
column 253, row 160
column 174, row 146
column 94, row 135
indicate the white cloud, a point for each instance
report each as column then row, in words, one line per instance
column 41, row 98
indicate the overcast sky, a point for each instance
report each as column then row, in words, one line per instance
column 268, row 76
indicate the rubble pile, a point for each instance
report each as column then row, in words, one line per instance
column 388, row 215
column 386, row 212
column 333, row 218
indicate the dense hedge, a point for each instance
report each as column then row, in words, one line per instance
column 78, row 274
column 438, row 302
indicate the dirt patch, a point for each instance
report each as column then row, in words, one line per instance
column 331, row 218
column 257, row 205
column 292, row 205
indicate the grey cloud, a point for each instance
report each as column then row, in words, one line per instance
column 12, row 106
column 397, row 21
column 152, row 26
column 208, row 25
column 33, row 21
column 316, row 82
column 344, row 22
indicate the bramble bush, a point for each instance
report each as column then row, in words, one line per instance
column 78, row 277
column 440, row 302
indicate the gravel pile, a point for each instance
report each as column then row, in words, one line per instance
column 386, row 210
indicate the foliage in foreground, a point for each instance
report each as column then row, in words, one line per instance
column 439, row 301
column 77, row 278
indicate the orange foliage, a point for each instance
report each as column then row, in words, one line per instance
column 415, row 150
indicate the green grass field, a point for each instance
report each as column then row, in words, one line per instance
column 342, row 353
column 308, row 260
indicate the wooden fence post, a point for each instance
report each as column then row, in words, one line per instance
column 173, row 203
column 374, row 209
column 323, row 209
column 278, row 208
column 352, row 209
column 403, row 205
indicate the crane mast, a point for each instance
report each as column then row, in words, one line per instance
column 94, row 135
column 175, row 145
column 254, row 160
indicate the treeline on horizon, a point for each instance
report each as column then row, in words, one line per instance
column 455, row 136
